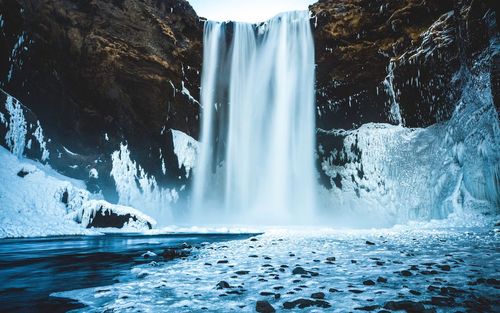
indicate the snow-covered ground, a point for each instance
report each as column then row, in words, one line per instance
column 443, row 269
column 35, row 200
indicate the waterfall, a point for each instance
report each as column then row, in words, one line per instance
column 256, row 161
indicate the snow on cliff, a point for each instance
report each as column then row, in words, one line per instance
column 37, row 201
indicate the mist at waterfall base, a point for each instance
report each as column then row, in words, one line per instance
column 256, row 162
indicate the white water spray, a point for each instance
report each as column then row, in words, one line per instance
column 256, row 160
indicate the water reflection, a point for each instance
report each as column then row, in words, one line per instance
column 33, row 268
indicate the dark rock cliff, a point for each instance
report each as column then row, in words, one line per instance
column 131, row 69
column 118, row 67
column 428, row 42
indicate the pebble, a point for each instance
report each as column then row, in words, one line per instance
column 264, row 307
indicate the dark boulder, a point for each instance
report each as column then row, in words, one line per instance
column 264, row 307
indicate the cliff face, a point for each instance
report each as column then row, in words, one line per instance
column 428, row 42
column 100, row 72
column 122, row 70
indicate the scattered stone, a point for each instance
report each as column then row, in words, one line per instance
column 222, row 262
column 357, row 291
column 305, row 303
column 172, row 253
column 432, row 288
column 406, row 305
column 370, row 243
column 23, row 173
column 354, row 261
column 406, row 273
column 208, row 264
column 368, row 308
column 266, row 293
column 253, row 256
column 253, row 239
column 381, row 280
column 380, row 263
column 318, row 295
column 332, row 290
column 331, row 259
column 299, row 271
column 223, row 285
column 242, row 272
column 443, row 301
column 369, row 282
column 493, row 281
column 444, row 267
column 416, row 293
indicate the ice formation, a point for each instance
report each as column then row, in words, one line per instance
column 186, row 150
column 38, row 201
column 256, row 159
column 391, row 174
column 138, row 189
column 16, row 133
column 20, row 134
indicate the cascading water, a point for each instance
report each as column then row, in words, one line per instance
column 256, row 160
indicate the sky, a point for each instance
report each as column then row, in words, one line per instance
column 246, row 10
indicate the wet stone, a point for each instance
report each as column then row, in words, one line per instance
column 223, row 285
column 305, row 303
column 368, row 308
column 443, row 301
column 264, row 307
column 318, row 295
column 369, row 282
column 408, row 306
column 406, row 273
column 299, row 271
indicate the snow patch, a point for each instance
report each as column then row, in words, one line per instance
column 37, row 201
column 93, row 173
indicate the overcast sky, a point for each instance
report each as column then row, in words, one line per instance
column 246, row 10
